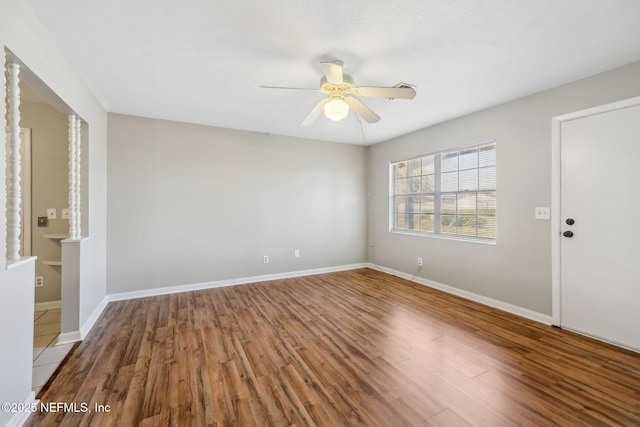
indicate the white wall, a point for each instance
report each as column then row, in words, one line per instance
column 517, row 270
column 190, row 204
column 22, row 33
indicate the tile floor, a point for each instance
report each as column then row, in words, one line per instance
column 46, row 354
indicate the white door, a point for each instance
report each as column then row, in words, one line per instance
column 600, row 225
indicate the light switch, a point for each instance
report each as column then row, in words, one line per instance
column 65, row 213
column 52, row 213
column 543, row 213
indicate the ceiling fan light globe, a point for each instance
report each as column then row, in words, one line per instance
column 336, row 109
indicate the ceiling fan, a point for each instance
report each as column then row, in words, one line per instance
column 341, row 95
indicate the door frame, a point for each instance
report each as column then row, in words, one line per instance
column 556, row 195
column 26, row 191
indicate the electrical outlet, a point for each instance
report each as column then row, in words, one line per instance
column 265, row 259
column 39, row 281
column 65, row 213
column 52, row 213
column 419, row 262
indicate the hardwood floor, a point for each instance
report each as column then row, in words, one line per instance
column 350, row 348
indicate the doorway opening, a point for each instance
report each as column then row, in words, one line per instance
column 41, row 177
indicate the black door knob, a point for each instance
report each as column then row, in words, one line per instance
column 568, row 233
column 570, row 221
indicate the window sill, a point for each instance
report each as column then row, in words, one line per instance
column 481, row 240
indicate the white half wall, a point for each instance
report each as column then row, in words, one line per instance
column 47, row 71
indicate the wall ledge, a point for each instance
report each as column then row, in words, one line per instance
column 22, row 261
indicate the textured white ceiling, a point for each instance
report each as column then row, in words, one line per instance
column 201, row 61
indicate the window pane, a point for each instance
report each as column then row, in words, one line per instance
column 467, row 225
column 400, row 170
column 426, row 204
column 427, row 165
column 487, row 226
column 467, row 203
column 469, row 180
column 401, row 186
column 427, row 184
column 414, row 184
column 401, row 203
column 400, row 222
column 462, row 197
column 415, row 168
column 487, row 178
column 426, row 222
column 448, row 224
column 449, row 181
column 448, row 204
column 449, row 161
column 488, row 155
column 413, row 204
column 487, row 203
column 469, row 158
column 413, row 222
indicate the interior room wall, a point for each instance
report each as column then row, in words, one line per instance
column 22, row 35
column 517, row 269
column 190, row 204
column 49, row 189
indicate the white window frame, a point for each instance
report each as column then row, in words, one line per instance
column 437, row 193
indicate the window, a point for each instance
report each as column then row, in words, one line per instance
column 450, row 193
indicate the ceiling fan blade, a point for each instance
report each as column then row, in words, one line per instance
column 333, row 72
column 362, row 110
column 313, row 115
column 402, row 92
column 290, row 88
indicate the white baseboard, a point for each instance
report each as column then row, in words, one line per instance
column 230, row 282
column 19, row 418
column 84, row 329
column 75, row 336
column 69, row 337
column 50, row 305
column 514, row 309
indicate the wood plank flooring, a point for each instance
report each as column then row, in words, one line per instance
column 350, row 348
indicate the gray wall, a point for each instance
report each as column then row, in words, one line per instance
column 517, row 269
column 189, row 204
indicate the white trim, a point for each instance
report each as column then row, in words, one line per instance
column 19, row 418
column 231, row 282
column 510, row 308
column 49, row 305
column 75, row 336
column 84, row 330
column 25, row 157
column 69, row 337
column 555, row 220
column 21, row 261
column 604, row 339
column 556, row 196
